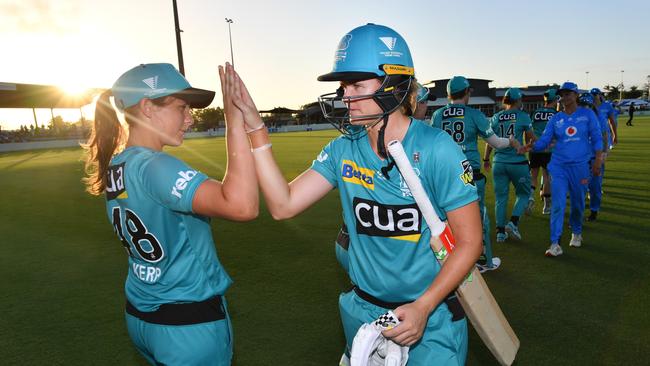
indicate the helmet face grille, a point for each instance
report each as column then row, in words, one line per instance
column 390, row 96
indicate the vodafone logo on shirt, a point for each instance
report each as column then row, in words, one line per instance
column 571, row 131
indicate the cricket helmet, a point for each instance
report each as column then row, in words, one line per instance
column 367, row 52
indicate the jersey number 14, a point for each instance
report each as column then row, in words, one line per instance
column 510, row 131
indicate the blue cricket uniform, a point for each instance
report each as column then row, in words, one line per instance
column 465, row 124
column 596, row 182
column 389, row 253
column 606, row 110
column 172, row 257
column 576, row 136
column 508, row 166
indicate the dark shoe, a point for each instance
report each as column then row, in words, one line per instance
column 593, row 216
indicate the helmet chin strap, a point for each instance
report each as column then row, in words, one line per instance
column 381, row 148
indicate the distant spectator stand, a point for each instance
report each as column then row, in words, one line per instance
column 33, row 96
column 278, row 117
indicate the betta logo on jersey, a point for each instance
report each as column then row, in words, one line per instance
column 115, row 182
column 401, row 222
column 543, row 116
column 181, row 183
column 351, row 173
column 467, row 177
column 571, row 131
column 508, row 117
column 454, row 112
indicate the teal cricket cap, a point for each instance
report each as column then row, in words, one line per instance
column 457, row 84
column 550, row 94
column 513, row 94
column 423, row 93
column 153, row 81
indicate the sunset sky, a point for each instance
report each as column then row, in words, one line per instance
column 281, row 46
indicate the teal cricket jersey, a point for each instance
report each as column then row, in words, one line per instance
column 389, row 251
column 172, row 257
column 464, row 124
column 510, row 122
column 540, row 118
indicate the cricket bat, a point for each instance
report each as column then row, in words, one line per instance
column 474, row 295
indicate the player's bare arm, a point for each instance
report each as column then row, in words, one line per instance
column 284, row 200
column 236, row 197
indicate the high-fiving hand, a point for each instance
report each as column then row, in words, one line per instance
column 232, row 113
column 241, row 98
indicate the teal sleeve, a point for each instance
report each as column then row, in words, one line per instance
column 325, row 164
column 493, row 121
column 526, row 122
column 170, row 182
column 594, row 131
column 436, row 119
column 451, row 176
column 483, row 125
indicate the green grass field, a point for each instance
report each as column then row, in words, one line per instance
column 62, row 270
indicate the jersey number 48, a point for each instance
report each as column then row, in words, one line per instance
column 144, row 242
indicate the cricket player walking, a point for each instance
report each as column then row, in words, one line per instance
column 509, row 165
column 464, row 124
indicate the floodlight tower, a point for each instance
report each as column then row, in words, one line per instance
column 620, row 90
column 232, row 58
column 179, row 47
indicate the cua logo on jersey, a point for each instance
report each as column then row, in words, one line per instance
column 467, row 176
column 456, row 112
column 401, row 222
column 322, row 157
column 543, row 116
column 351, row 173
column 115, row 182
column 571, row 131
column 507, row 116
column 181, row 183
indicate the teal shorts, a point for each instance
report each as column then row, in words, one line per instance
column 209, row 343
column 444, row 341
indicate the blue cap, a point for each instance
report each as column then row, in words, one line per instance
column 423, row 94
column 457, row 84
column 586, row 98
column 595, row 91
column 513, row 94
column 570, row 86
column 153, row 81
column 550, row 94
column 368, row 52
